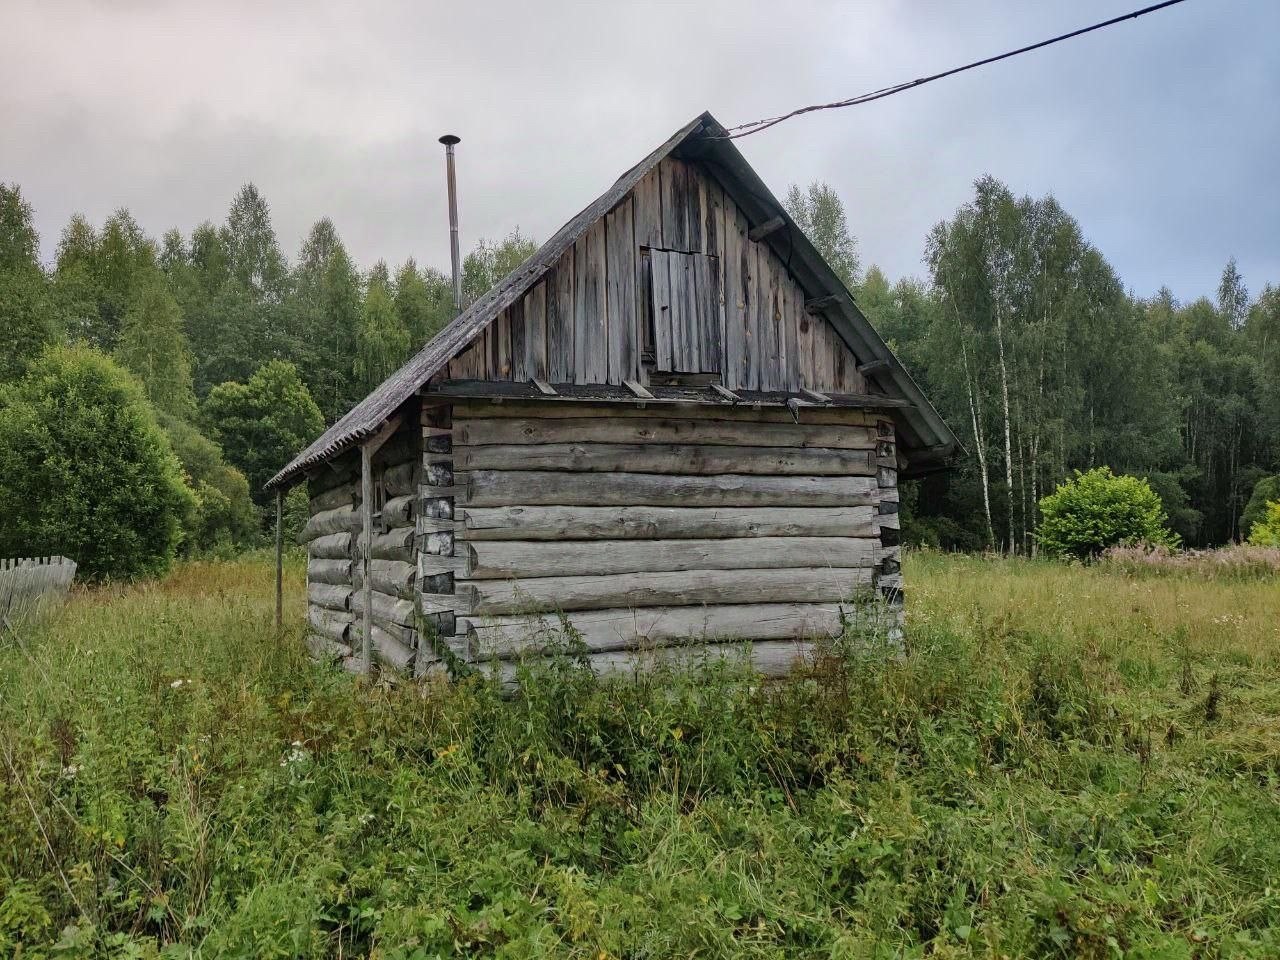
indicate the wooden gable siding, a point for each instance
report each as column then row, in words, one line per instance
column 738, row 312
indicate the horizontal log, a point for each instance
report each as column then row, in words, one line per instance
column 745, row 412
column 335, row 546
column 341, row 471
column 322, row 648
column 497, row 488
column 338, row 520
column 433, row 507
column 401, row 479
column 630, row 523
column 619, row 629
column 395, row 544
column 330, row 596
column 392, row 577
column 505, row 559
column 436, row 604
column 769, row 658
column 385, row 607
column 399, row 511
column 340, row 496
column 659, row 430
column 391, row 647
column 666, row 458
column 329, row 571
column 403, row 447
column 680, row 588
column 334, row 624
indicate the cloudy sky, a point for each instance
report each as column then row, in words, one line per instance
column 1161, row 135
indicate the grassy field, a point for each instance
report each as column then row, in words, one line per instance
column 1067, row 763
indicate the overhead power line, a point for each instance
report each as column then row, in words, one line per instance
column 755, row 126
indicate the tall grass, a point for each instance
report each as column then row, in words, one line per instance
column 1066, row 762
column 1240, row 561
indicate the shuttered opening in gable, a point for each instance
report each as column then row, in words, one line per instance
column 683, row 326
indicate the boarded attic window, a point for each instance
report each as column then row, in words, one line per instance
column 682, row 325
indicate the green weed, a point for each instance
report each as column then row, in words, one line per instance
column 1038, row 774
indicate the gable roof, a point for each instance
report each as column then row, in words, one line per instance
column 702, row 139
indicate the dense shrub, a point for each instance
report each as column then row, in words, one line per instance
column 223, row 518
column 1265, row 491
column 85, row 471
column 1265, row 532
column 297, row 511
column 1096, row 510
column 263, row 423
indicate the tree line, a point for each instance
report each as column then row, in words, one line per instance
column 242, row 355
column 1020, row 332
column 1025, row 338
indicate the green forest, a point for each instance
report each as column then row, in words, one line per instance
column 222, row 357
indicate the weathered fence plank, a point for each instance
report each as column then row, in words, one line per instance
column 30, row 584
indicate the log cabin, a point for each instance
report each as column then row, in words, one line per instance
column 671, row 425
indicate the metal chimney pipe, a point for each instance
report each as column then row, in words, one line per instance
column 449, row 140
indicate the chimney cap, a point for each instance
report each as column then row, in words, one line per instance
column 449, row 139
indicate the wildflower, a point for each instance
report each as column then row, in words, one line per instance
column 177, row 683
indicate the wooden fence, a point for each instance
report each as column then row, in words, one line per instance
column 28, row 584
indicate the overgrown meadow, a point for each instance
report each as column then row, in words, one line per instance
column 1067, row 762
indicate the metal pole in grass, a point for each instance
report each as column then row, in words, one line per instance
column 279, row 558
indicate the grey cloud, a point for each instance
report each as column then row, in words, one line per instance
column 1160, row 136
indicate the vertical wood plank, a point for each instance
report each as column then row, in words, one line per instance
column 804, row 348
column 502, row 345
column 715, row 250
column 735, row 333
column 763, row 361
column 560, row 321
column 710, row 345
column 647, row 216
column 695, row 197
column 843, row 366
column 778, row 314
column 713, row 216
column 823, row 346
column 686, row 331
column 535, row 337
column 518, row 334
column 621, row 295
column 675, row 204
column 661, row 283
column 752, row 284
column 675, row 303
column 647, row 201
column 590, row 313
column 792, row 306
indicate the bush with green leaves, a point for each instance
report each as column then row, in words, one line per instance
column 1266, row 531
column 85, row 470
column 262, row 423
column 1098, row 509
column 224, row 519
column 1255, row 511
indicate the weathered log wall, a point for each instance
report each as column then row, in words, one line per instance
column 336, row 555
column 649, row 529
